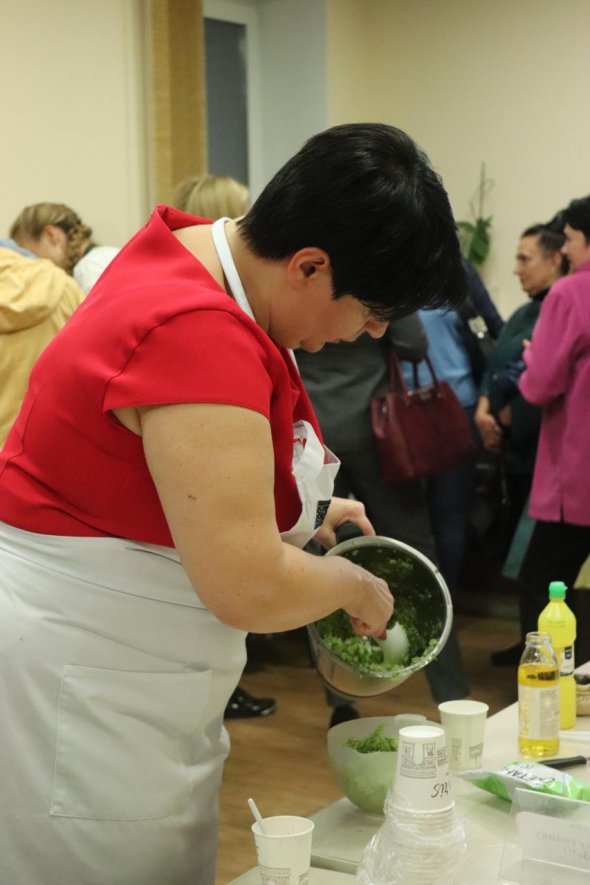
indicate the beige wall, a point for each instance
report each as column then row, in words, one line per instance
column 349, row 62
column 500, row 81
column 72, row 127
column 293, row 77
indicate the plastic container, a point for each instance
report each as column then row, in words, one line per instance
column 582, row 695
column 423, row 586
column 538, row 698
column 558, row 620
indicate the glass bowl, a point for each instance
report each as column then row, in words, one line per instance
column 365, row 778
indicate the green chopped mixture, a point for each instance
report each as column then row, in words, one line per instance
column 419, row 608
column 376, row 742
column 366, row 779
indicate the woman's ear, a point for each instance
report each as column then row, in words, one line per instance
column 53, row 234
column 306, row 265
column 53, row 244
column 557, row 261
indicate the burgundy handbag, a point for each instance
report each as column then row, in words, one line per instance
column 419, row 432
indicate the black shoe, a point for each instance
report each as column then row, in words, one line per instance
column 508, row 657
column 343, row 713
column 242, row 705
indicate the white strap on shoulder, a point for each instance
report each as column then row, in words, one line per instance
column 228, row 265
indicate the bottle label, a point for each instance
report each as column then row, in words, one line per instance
column 566, row 661
column 538, row 712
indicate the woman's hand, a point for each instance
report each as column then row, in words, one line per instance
column 371, row 605
column 342, row 510
column 505, row 415
column 489, row 429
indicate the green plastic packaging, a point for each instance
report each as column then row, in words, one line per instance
column 530, row 776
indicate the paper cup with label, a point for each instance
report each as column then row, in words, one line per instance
column 422, row 781
column 284, row 849
column 464, row 724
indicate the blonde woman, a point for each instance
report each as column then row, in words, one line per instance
column 36, row 300
column 211, row 196
column 55, row 231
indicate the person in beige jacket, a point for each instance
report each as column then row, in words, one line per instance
column 36, row 299
column 56, row 231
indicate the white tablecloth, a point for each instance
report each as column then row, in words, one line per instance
column 316, row 877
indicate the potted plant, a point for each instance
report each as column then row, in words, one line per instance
column 475, row 235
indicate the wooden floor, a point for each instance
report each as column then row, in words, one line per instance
column 281, row 760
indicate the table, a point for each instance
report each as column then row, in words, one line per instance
column 316, row 877
column 342, row 830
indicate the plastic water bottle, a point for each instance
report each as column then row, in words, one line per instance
column 538, row 698
column 559, row 621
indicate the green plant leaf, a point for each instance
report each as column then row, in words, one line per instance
column 480, row 242
column 474, row 237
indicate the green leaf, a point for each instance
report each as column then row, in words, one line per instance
column 474, row 237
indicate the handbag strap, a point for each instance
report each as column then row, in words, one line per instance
column 397, row 382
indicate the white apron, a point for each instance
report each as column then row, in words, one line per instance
column 113, row 682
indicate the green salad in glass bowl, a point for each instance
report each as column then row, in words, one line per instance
column 363, row 756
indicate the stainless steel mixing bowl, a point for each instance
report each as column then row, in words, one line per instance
column 434, row 607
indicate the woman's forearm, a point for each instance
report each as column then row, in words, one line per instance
column 296, row 588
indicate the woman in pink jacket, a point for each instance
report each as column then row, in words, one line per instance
column 557, row 378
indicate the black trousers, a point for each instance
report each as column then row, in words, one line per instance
column 519, row 490
column 556, row 552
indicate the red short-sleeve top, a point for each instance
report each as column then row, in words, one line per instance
column 155, row 329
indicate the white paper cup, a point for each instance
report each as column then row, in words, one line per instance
column 422, row 857
column 422, row 781
column 464, row 725
column 284, row 851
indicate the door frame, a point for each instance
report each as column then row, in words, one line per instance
column 246, row 13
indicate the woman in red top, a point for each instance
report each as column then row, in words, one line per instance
column 165, row 452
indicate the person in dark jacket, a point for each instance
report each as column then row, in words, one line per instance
column 341, row 381
column 503, row 417
column 507, row 423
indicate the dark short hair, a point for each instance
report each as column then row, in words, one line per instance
column 367, row 195
column 577, row 215
column 550, row 239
